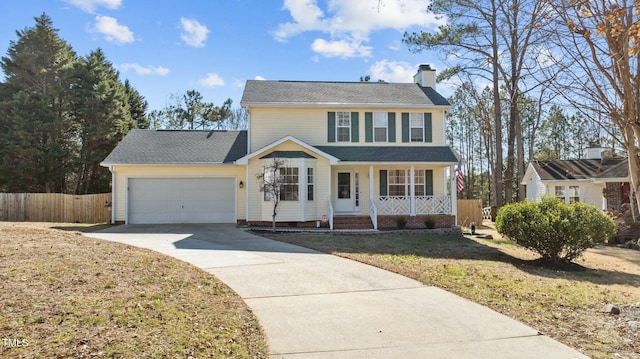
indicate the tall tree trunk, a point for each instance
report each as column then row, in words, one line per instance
column 497, row 111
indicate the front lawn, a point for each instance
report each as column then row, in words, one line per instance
column 562, row 303
column 67, row 295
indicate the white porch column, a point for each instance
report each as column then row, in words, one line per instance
column 302, row 184
column 246, row 193
column 454, row 193
column 412, row 186
column 371, row 183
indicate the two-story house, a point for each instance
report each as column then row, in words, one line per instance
column 350, row 149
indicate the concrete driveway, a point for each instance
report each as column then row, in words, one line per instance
column 315, row 305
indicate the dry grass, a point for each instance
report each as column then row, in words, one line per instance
column 67, row 295
column 563, row 303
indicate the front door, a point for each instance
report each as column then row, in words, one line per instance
column 347, row 196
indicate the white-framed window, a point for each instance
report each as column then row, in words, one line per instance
column 310, row 185
column 289, row 184
column 343, row 126
column 397, row 182
column 559, row 191
column 419, row 182
column 380, row 126
column 416, row 126
column 574, row 194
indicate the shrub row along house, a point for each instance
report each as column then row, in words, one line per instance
column 374, row 151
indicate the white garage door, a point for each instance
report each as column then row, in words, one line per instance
column 181, row 200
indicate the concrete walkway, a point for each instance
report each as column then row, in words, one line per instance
column 315, row 305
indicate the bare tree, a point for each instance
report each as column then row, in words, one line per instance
column 270, row 183
column 597, row 46
column 498, row 41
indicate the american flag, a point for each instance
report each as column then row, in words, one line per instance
column 460, row 178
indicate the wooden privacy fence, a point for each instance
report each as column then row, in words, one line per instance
column 469, row 210
column 55, row 207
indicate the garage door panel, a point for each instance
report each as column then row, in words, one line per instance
column 181, row 200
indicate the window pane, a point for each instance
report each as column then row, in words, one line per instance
column 380, row 119
column 418, row 180
column 574, row 194
column 344, row 118
column 310, row 184
column 417, row 119
column 344, row 185
column 417, row 135
column 289, row 184
column 344, row 134
column 397, row 181
column 380, row 134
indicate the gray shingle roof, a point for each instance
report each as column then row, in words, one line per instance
column 178, row 147
column 349, row 93
column 391, row 153
column 582, row 169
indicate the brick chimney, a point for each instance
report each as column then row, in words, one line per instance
column 425, row 77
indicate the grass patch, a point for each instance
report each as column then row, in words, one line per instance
column 72, row 296
column 561, row 303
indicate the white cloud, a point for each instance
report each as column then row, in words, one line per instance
column 393, row 71
column 211, row 80
column 193, row 32
column 307, row 16
column 148, row 70
column 340, row 48
column 259, row 78
column 345, row 20
column 91, row 5
column 113, row 31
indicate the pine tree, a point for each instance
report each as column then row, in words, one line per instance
column 101, row 110
column 137, row 106
column 38, row 136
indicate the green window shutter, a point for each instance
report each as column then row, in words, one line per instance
column 392, row 126
column 331, row 127
column 383, row 182
column 405, row 127
column 428, row 133
column 368, row 127
column 355, row 128
column 428, row 182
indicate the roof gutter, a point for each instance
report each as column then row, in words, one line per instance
column 341, row 105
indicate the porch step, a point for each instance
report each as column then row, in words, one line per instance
column 352, row 222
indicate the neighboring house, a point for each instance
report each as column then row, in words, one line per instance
column 351, row 149
column 594, row 180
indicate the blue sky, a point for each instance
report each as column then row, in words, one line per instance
column 214, row 46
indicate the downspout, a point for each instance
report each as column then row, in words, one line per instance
column 113, row 194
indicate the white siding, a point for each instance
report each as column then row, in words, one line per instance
column 590, row 193
column 535, row 188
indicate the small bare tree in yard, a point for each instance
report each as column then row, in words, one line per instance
column 270, row 183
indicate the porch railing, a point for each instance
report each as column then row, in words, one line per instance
column 433, row 205
column 387, row 205
column 330, row 213
column 373, row 213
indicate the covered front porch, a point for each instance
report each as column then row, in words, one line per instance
column 386, row 192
